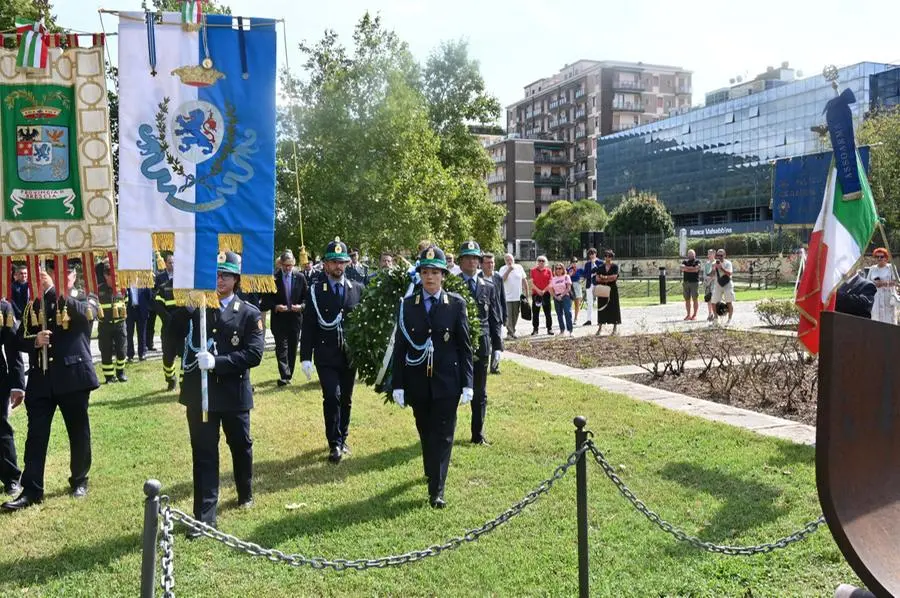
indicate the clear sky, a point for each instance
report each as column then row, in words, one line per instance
column 519, row 41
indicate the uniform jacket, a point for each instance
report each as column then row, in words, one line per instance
column 490, row 315
column 237, row 332
column 164, row 296
column 497, row 281
column 144, row 301
column 286, row 321
column 448, row 327
column 323, row 344
column 69, row 368
column 112, row 304
column 11, row 365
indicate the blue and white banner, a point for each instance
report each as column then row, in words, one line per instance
column 196, row 145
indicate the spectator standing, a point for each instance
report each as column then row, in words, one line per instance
column 708, row 280
column 451, row 265
column 540, row 295
column 723, row 288
column 515, row 289
column 588, row 276
column 576, row 275
column 20, row 292
column 137, row 312
column 884, row 307
column 561, row 286
column 608, row 309
column 690, row 270
column 488, row 273
column 357, row 271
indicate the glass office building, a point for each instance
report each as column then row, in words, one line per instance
column 713, row 165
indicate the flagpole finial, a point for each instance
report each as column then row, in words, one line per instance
column 830, row 72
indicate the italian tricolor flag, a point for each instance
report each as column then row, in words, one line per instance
column 842, row 233
column 191, row 11
column 35, row 45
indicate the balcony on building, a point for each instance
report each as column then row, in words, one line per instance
column 628, row 106
column 619, row 127
column 538, row 111
column 554, row 105
column 548, row 197
column 554, row 124
column 498, row 158
column 549, row 180
column 580, row 175
column 529, row 113
column 494, row 179
column 625, row 85
column 498, row 198
column 580, row 133
column 579, row 94
column 564, row 100
column 581, row 114
column 550, row 158
column 581, row 154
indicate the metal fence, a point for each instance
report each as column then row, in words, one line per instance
column 157, row 508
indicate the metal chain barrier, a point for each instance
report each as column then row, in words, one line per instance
column 682, row 536
column 170, row 515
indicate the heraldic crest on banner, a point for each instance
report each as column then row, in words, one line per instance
column 55, row 166
column 197, row 151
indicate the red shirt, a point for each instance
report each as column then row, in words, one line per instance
column 540, row 279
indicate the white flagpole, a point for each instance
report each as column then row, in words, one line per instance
column 204, row 377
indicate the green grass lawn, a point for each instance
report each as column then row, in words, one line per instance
column 723, row 484
column 741, row 293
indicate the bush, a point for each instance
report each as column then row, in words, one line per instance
column 778, row 313
column 738, row 244
column 638, row 214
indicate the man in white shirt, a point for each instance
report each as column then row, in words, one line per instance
column 515, row 288
column 723, row 285
column 454, row 269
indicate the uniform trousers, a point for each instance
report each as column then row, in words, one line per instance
column 9, row 468
column 40, row 411
column 205, row 453
column 136, row 321
column 171, row 348
column 111, row 341
column 479, row 398
column 286, row 351
column 436, row 424
column 337, row 398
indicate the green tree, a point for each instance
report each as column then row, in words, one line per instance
column 640, row 213
column 881, row 130
column 33, row 10
column 558, row 230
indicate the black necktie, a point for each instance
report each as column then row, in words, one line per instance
column 428, row 304
column 472, row 286
column 339, row 291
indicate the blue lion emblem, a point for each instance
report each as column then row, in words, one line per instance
column 42, row 152
column 198, row 129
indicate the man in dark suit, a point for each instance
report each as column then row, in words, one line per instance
column 164, row 306
column 488, row 272
column 432, row 368
column 356, row 271
column 20, row 291
column 329, row 298
column 12, row 390
column 235, row 344
column 139, row 302
column 286, row 305
column 487, row 297
column 64, row 380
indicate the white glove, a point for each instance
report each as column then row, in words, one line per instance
column 466, row 396
column 206, row 360
column 496, row 357
column 306, row 368
column 398, row 397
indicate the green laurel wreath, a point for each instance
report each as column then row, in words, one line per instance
column 369, row 326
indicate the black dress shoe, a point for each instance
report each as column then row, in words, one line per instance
column 142, row 358
column 438, row 502
column 481, row 441
column 335, row 455
column 80, row 491
column 282, row 383
column 170, row 385
column 23, row 502
column 122, row 377
column 12, row 488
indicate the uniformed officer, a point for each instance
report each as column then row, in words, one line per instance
column 111, row 337
column 164, row 306
column 286, row 304
column 63, row 377
column 487, row 297
column 329, row 299
column 432, row 368
column 12, row 390
column 235, row 343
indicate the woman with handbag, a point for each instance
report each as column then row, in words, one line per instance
column 606, row 293
column 561, row 286
column 884, row 276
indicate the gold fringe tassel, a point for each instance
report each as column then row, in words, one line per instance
column 194, row 298
column 258, row 283
column 231, row 242
column 163, row 241
column 303, row 257
column 160, row 262
column 135, row 278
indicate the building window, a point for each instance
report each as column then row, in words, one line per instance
column 754, row 111
column 659, row 103
column 655, row 81
column 686, row 129
column 729, row 118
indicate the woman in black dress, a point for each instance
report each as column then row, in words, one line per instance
column 608, row 310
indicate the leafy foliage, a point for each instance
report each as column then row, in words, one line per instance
column 778, row 313
column 881, row 130
column 370, row 325
column 558, row 230
column 737, row 244
column 639, row 213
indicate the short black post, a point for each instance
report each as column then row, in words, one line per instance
column 581, row 478
column 151, row 530
column 662, row 285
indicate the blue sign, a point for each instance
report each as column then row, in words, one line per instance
column 731, row 228
column 800, row 186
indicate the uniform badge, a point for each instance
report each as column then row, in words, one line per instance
column 324, row 286
column 446, row 336
column 417, row 299
column 337, row 239
column 471, row 245
column 221, row 257
column 235, row 341
column 430, row 254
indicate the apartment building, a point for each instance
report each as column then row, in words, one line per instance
column 553, row 132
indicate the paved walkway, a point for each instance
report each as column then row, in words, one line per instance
column 767, row 425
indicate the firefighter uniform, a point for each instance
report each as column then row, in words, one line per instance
column 111, row 336
column 164, row 306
